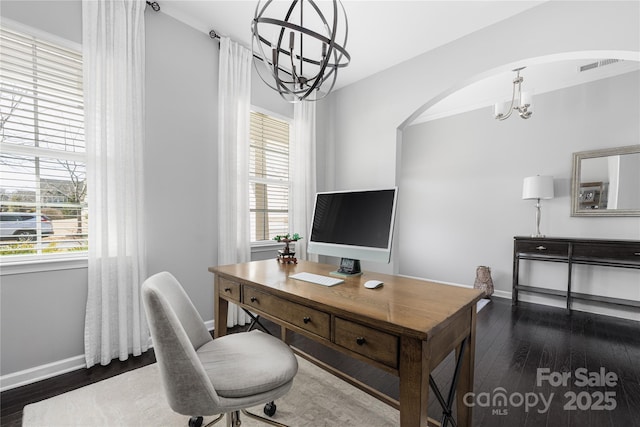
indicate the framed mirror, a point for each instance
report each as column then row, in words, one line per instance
column 606, row 182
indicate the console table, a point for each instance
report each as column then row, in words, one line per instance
column 599, row 252
column 407, row 327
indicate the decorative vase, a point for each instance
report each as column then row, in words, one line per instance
column 483, row 280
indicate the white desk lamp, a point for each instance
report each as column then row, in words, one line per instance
column 538, row 187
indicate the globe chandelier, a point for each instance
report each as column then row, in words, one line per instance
column 520, row 101
column 299, row 46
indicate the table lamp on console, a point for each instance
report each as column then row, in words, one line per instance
column 537, row 187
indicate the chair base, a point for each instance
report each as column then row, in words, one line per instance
column 233, row 420
column 259, row 418
column 197, row 421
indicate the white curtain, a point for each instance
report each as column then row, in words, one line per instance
column 234, row 107
column 303, row 174
column 113, row 54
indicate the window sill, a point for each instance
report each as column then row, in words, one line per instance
column 25, row 266
column 265, row 246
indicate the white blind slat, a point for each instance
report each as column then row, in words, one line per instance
column 43, row 174
column 268, row 176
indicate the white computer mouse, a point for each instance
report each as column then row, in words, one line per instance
column 372, row 284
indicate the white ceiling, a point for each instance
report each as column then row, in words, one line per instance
column 538, row 78
column 385, row 33
column 381, row 33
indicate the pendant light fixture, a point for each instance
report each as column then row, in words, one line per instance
column 520, row 101
column 298, row 47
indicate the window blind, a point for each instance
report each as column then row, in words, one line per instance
column 268, row 177
column 42, row 154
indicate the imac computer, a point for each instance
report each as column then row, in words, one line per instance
column 355, row 226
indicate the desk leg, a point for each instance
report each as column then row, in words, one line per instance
column 465, row 383
column 220, row 309
column 414, row 382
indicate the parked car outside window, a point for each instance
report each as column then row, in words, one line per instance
column 23, row 226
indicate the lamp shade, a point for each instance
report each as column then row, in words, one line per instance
column 537, row 187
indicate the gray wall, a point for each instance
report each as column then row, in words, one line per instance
column 180, row 155
column 461, row 186
column 181, row 152
column 368, row 117
column 42, row 313
column 368, row 114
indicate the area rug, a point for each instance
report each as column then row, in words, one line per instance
column 136, row 398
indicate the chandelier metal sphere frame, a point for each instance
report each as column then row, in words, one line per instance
column 300, row 62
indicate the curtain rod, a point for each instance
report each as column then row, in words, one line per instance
column 215, row 35
column 212, row 33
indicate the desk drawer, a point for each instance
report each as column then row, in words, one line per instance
column 607, row 251
column 303, row 317
column 368, row 342
column 229, row 290
column 542, row 248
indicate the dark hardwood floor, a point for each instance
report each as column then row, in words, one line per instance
column 511, row 346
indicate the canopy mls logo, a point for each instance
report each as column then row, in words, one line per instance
column 500, row 401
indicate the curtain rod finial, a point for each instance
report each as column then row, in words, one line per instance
column 154, row 5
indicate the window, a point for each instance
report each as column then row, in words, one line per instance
column 268, row 177
column 42, row 156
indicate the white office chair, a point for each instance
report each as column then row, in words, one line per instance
column 202, row 376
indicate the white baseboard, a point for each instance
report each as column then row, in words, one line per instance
column 50, row 370
column 502, row 294
column 496, row 293
column 38, row 373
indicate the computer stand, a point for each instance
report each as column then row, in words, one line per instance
column 348, row 267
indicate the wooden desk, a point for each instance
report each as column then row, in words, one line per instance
column 407, row 327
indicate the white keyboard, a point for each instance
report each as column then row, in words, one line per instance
column 317, row 279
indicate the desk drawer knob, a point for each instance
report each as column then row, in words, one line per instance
column 636, row 253
column 306, row 319
column 254, row 299
column 227, row 289
column 541, row 248
column 360, row 340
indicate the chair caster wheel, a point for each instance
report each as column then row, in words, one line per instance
column 195, row 421
column 270, row 409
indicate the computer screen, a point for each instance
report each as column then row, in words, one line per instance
column 354, row 225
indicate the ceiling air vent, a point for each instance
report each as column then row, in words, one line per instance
column 598, row 64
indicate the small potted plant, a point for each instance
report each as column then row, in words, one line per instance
column 286, row 255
